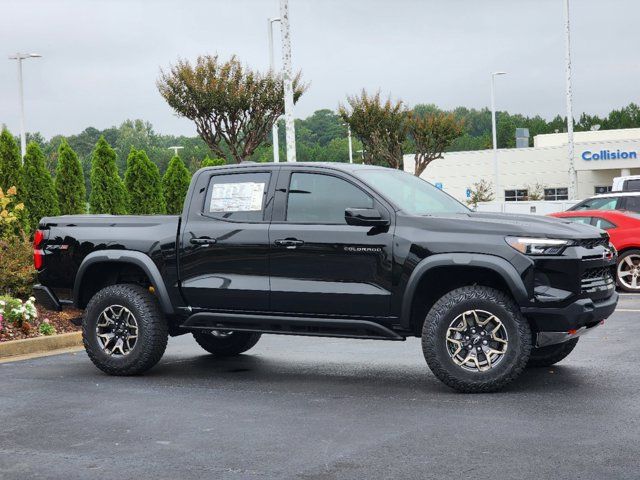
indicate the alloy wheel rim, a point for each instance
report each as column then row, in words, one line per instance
column 221, row 333
column 629, row 272
column 477, row 340
column 117, row 330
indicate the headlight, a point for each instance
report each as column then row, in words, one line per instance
column 537, row 246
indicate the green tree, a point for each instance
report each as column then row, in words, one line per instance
column 70, row 182
column 11, row 172
column 175, row 184
column 144, row 186
column 41, row 199
column 431, row 133
column 230, row 104
column 212, row 162
column 107, row 189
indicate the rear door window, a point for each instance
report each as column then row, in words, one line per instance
column 598, row 203
column 631, row 203
column 237, row 196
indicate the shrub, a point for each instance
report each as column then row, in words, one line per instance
column 175, row 184
column 45, row 328
column 13, row 216
column 70, row 181
column 144, row 187
column 107, row 189
column 212, row 162
column 41, row 199
column 17, row 274
column 11, row 172
column 13, row 310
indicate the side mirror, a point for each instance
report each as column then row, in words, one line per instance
column 364, row 217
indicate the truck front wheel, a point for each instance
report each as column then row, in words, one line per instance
column 551, row 354
column 226, row 344
column 475, row 339
column 123, row 330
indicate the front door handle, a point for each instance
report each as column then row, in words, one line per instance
column 204, row 241
column 289, row 243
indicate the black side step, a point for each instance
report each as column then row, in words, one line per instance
column 320, row 327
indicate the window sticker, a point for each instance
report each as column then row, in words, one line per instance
column 237, row 197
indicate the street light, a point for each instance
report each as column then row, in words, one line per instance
column 349, row 137
column 19, row 57
column 274, row 128
column 496, row 169
column 175, row 150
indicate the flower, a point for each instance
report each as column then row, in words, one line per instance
column 12, row 191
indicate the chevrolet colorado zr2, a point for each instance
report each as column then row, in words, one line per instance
column 334, row 250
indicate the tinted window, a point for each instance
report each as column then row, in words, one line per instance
column 237, row 196
column 317, row 198
column 632, row 204
column 631, row 185
column 585, row 220
column 603, row 224
column 606, row 203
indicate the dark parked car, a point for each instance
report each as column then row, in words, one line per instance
column 333, row 250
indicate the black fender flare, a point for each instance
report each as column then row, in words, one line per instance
column 132, row 257
column 491, row 262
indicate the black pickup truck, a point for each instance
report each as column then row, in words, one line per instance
column 333, row 250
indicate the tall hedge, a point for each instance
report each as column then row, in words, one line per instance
column 41, row 199
column 175, row 184
column 144, row 186
column 107, row 188
column 11, row 172
column 212, row 162
column 70, row 182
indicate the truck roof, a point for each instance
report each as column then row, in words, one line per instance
column 328, row 165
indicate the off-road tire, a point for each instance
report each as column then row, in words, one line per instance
column 434, row 345
column 152, row 330
column 551, row 354
column 235, row 344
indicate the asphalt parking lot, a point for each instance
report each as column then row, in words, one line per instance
column 309, row 408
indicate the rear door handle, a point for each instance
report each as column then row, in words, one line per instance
column 289, row 243
column 203, row 241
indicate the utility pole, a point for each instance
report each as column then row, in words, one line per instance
column 23, row 136
column 290, row 131
column 350, row 146
column 274, row 128
column 573, row 176
column 175, row 150
column 494, row 134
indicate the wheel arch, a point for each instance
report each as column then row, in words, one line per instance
column 112, row 264
column 422, row 292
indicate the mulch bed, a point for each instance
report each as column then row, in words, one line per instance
column 61, row 321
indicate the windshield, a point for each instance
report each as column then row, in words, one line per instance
column 412, row 194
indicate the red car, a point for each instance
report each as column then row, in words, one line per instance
column 624, row 230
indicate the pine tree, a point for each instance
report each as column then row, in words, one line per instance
column 175, row 184
column 41, row 199
column 11, row 172
column 144, row 186
column 212, row 162
column 107, row 188
column 70, row 182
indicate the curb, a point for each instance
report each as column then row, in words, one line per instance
column 40, row 345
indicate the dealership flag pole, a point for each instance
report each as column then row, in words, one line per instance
column 274, row 128
column 573, row 178
column 290, row 132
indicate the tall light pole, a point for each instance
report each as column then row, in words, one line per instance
column 175, row 150
column 23, row 136
column 288, row 81
column 494, row 133
column 350, row 146
column 573, row 177
column 274, row 129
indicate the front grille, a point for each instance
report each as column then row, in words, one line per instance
column 594, row 242
column 597, row 279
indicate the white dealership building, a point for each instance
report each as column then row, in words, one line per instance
column 599, row 156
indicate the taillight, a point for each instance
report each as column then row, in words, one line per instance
column 38, row 255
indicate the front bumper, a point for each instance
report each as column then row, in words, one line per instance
column 559, row 324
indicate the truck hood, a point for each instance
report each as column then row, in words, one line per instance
column 509, row 224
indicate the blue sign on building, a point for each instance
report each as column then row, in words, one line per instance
column 468, row 193
column 439, row 185
column 609, row 155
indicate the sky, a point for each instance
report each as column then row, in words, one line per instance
column 101, row 58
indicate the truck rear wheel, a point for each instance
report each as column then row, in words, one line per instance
column 551, row 354
column 226, row 344
column 123, row 330
column 475, row 339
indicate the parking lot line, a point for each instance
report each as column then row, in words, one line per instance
column 627, row 310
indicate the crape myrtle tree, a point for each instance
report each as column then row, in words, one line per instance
column 175, row 184
column 380, row 126
column 69, row 182
column 431, row 134
column 41, row 199
column 143, row 184
column 231, row 105
column 11, row 171
column 107, row 188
